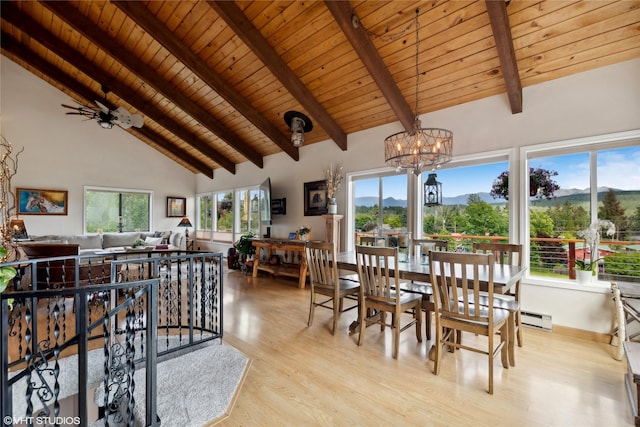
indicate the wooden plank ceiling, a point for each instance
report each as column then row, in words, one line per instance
column 214, row 79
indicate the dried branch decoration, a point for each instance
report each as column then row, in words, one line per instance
column 8, row 168
column 333, row 176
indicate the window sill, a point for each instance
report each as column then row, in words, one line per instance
column 597, row 286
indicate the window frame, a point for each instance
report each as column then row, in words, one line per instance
column 88, row 188
column 570, row 146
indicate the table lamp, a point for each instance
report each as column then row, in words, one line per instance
column 19, row 230
column 184, row 222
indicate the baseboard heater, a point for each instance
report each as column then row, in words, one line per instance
column 536, row 320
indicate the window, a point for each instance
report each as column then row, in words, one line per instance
column 468, row 213
column 116, row 210
column 596, row 181
column 236, row 212
column 371, row 192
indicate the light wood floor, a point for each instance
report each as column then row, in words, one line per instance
column 304, row 376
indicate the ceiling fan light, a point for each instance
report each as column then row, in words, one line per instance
column 105, row 124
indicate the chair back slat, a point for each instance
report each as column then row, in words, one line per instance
column 504, row 253
column 456, row 284
column 374, row 264
column 323, row 272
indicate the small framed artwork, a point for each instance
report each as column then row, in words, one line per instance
column 293, row 235
column 176, row 206
column 315, row 198
column 33, row 201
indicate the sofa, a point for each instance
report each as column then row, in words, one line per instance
column 92, row 243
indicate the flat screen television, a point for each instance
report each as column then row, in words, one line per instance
column 265, row 202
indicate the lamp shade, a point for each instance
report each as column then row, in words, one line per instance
column 18, row 229
column 184, row 222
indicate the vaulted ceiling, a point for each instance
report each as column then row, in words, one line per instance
column 213, row 80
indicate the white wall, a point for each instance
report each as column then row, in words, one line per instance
column 64, row 152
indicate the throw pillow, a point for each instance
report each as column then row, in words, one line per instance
column 152, row 241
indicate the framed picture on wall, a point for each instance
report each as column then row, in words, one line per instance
column 32, row 201
column 315, row 198
column 176, row 206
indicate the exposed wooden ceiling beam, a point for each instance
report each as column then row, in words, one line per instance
column 236, row 19
column 141, row 15
column 80, row 23
column 497, row 10
column 9, row 44
column 51, row 42
column 341, row 11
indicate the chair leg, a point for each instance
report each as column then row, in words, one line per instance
column 337, row 308
column 417, row 314
column 519, row 327
column 511, row 326
column 437, row 349
column 396, row 334
column 504, row 341
column 312, row 307
column 490, row 357
column 362, row 322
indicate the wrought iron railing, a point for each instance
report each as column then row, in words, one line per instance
column 62, row 339
column 555, row 257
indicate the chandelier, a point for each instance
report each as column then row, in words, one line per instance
column 420, row 148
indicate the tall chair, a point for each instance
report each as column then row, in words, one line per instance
column 455, row 281
column 380, row 293
column 325, row 282
column 423, row 246
column 507, row 254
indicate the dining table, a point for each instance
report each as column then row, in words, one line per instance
column 417, row 270
column 416, row 278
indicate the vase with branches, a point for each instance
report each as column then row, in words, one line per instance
column 333, row 177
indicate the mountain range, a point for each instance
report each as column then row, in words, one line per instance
column 369, row 201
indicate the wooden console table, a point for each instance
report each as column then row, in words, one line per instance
column 292, row 263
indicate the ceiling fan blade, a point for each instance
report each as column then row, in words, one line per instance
column 102, row 107
column 137, row 121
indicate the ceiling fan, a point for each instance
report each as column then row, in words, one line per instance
column 105, row 117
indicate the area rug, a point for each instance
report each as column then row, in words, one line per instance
column 194, row 388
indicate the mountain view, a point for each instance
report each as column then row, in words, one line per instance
column 573, row 195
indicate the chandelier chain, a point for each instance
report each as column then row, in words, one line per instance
column 417, row 51
column 386, row 38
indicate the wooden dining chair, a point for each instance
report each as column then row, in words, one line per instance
column 423, row 246
column 367, row 240
column 457, row 300
column 325, row 282
column 380, row 294
column 507, row 254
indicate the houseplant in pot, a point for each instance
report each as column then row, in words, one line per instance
column 585, row 269
column 303, row 232
column 244, row 246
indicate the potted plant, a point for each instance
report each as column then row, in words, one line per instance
column 244, row 246
column 303, row 232
column 586, row 269
column 7, row 274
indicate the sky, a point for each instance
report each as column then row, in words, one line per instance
column 618, row 168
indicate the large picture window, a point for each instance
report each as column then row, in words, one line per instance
column 595, row 182
column 110, row 210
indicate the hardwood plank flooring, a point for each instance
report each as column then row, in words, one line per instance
column 304, row 376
